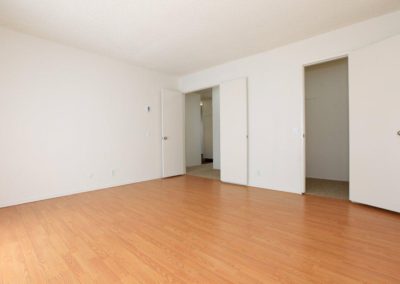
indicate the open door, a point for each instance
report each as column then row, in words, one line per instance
column 375, row 124
column 233, row 131
column 173, row 144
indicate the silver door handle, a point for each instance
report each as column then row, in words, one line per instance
column 398, row 132
column 165, row 138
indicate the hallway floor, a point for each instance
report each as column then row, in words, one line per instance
column 205, row 171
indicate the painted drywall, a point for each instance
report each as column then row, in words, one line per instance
column 193, row 130
column 276, row 102
column 216, row 129
column 207, row 118
column 327, row 120
column 72, row 121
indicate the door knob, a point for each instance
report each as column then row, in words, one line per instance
column 398, row 132
column 165, row 138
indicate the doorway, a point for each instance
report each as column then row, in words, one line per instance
column 202, row 133
column 327, row 129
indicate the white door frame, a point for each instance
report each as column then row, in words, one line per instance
column 303, row 119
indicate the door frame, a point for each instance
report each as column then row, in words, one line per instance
column 303, row 119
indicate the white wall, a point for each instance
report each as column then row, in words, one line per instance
column 327, row 120
column 216, row 129
column 276, row 103
column 207, row 129
column 193, row 130
column 72, row 121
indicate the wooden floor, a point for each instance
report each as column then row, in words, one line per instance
column 195, row 230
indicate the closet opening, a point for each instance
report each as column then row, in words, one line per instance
column 327, row 129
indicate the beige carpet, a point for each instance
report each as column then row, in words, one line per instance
column 205, row 171
column 327, row 188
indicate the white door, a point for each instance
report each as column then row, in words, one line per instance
column 233, row 131
column 374, row 82
column 172, row 137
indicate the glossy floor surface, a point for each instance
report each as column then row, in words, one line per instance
column 194, row 230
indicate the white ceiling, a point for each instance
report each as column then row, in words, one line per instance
column 181, row 36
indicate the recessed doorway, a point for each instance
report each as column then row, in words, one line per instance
column 327, row 129
column 202, row 133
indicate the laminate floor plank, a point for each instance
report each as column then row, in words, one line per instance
column 194, row 230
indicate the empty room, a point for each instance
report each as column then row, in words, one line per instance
column 199, row 141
